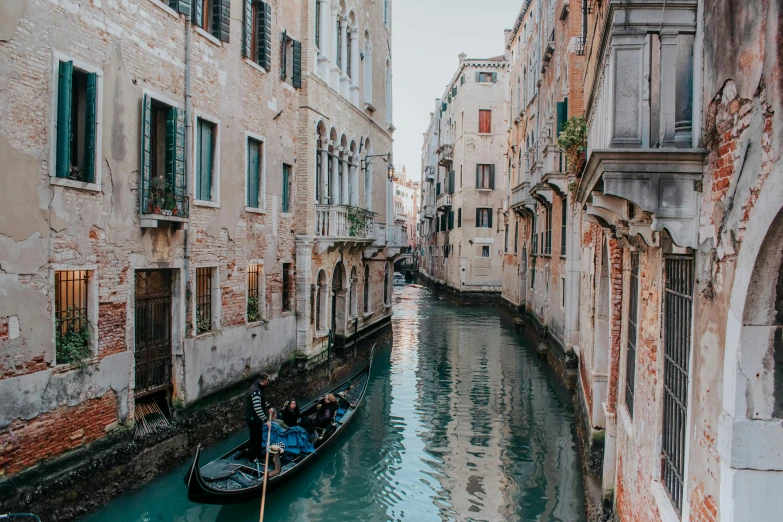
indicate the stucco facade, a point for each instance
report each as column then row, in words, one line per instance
column 463, row 183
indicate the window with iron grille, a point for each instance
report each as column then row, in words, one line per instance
column 204, row 299
column 546, row 238
column 563, row 223
column 287, row 287
column 678, row 316
column 633, row 311
column 72, row 337
column 254, row 295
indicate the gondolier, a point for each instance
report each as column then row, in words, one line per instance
column 257, row 412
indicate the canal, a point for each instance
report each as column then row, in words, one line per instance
column 462, row 421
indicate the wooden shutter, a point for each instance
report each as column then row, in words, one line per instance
column 198, row 12
column 179, row 159
column 247, row 29
column 63, row 154
column 89, row 127
column 454, row 91
column 296, row 78
column 264, row 36
column 562, row 115
column 459, row 217
column 494, row 77
column 253, row 159
column 286, row 175
column 451, row 220
column 462, row 80
column 478, row 176
column 146, row 149
column 221, row 19
column 171, row 148
column 478, row 217
column 492, row 176
column 443, row 106
column 283, row 56
column 451, row 182
column 478, row 76
column 182, row 6
column 489, row 217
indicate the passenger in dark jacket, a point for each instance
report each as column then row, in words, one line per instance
column 291, row 414
column 257, row 412
column 323, row 418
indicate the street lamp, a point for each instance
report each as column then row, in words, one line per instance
column 386, row 157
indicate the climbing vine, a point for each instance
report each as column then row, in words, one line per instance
column 357, row 218
column 73, row 338
column 572, row 140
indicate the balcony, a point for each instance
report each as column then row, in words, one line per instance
column 521, row 201
column 400, row 218
column 429, row 211
column 429, row 173
column 444, row 201
column 342, row 224
column 445, row 154
column 163, row 204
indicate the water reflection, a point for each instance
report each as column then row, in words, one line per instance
column 461, row 422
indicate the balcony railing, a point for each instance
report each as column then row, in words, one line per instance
column 429, row 173
column 398, row 236
column 520, row 195
column 579, row 48
column 342, row 221
column 429, row 211
column 444, row 200
column 445, row 154
column 164, row 201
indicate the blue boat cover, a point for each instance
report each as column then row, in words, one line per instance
column 294, row 440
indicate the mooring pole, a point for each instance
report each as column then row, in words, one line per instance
column 329, row 356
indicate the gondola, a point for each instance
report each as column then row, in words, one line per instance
column 233, row 479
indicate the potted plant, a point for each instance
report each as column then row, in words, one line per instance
column 572, row 140
column 156, row 195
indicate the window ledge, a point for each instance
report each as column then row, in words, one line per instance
column 368, row 314
column 67, row 367
column 204, row 335
column 482, row 189
column 201, row 203
column 212, row 39
column 287, row 214
column 166, row 8
column 484, row 133
column 255, row 210
column 254, row 65
column 665, row 507
column 625, row 420
column 369, row 107
column 287, row 313
column 254, row 324
column 70, row 183
column 321, row 333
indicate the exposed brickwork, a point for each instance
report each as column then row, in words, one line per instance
column 111, row 329
column 703, row 508
column 615, row 319
column 24, row 443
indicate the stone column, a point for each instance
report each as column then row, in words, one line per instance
column 304, row 254
column 334, row 75
column 683, row 104
column 323, row 28
column 344, row 55
column 668, row 88
column 354, row 181
column 368, row 186
column 324, row 181
column 334, row 190
column 354, row 66
column 345, row 195
column 368, row 73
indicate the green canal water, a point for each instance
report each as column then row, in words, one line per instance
column 461, row 421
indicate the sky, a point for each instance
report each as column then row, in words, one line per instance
column 428, row 36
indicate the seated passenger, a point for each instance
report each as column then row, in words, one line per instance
column 322, row 419
column 291, row 414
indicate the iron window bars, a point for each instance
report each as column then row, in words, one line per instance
column 70, row 304
column 633, row 312
column 203, row 300
column 253, row 293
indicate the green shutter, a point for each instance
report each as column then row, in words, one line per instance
column 478, row 76
column 181, row 6
column 478, row 175
column 247, row 29
column 286, row 170
column 459, row 218
column 64, row 87
column 179, row 162
column 478, row 217
column 253, row 164
column 198, row 15
column 489, row 215
column 494, row 77
column 562, row 115
column 462, row 80
column 284, row 56
column 454, row 91
column 449, row 98
column 451, row 182
column 90, row 127
column 444, row 106
column 221, row 19
column 296, row 78
column 264, row 36
column 206, row 140
column 171, row 149
column 146, row 149
column 451, row 220
column 492, row 176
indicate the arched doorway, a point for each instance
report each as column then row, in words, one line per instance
column 320, row 300
column 338, row 301
column 354, row 298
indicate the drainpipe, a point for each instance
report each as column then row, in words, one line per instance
column 188, row 162
column 584, row 22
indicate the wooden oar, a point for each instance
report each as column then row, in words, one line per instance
column 266, row 468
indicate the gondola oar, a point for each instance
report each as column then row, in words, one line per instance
column 266, row 467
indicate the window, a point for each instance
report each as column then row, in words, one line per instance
column 213, row 16
column 257, row 33
column 485, row 176
column 255, row 175
column 286, row 198
column 72, row 338
column 484, row 250
column 486, row 77
column 291, row 66
column 206, row 139
column 516, row 237
column 339, row 42
column 630, row 357
column 534, row 237
column 562, row 292
column 255, row 277
column 386, row 285
column 678, row 319
column 505, row 247
column 367, row 69
column 483, row 218
column 485, row 121
column 366, row 289
column 76, row 124
column 287, row 290
column 204, row 322
column 349, row 50
column 563, row 223
column 546, row 234
column 162, row 159
column 459, row 218
column 318, row 24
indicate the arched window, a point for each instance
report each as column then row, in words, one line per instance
column 354, row 284
column 368, row 178
column 367, row 68
column 319, row 145
column 320, row 299
column 386, row 285
column 366, row 289
column 389, row 118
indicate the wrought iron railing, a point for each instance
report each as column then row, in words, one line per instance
column 580, row 46
column 164, row 201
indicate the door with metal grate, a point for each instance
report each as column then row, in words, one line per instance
column 153, row 331
column 633, row 312
column 678, row 318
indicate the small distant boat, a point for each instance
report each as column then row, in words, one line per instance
column 233, row 479
column 399, row 279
